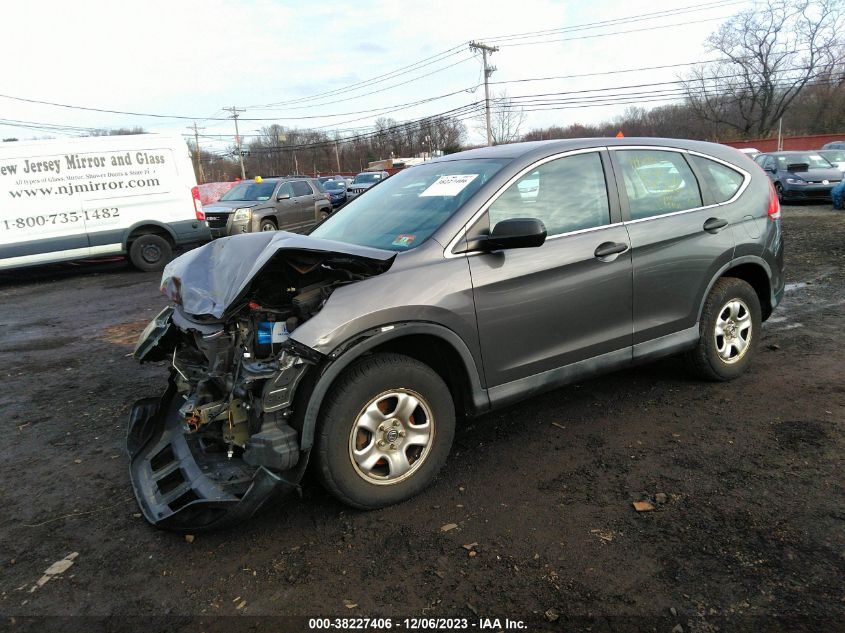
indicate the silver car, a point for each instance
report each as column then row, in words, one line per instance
column 363, row 182
column 444, row 292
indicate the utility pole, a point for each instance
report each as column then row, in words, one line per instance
column 337, row 154
column 197, row 145
column 235, row 113
column 488, row 70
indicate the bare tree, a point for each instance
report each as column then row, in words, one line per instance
column 506, row 119
column 121, row 131
column 767, row 56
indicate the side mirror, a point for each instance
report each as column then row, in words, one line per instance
column 283, row 196
column 512, row 233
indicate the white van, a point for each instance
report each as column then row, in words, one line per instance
column 96, row 196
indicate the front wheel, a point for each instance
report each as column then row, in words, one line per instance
column 779, row 192
column 385, row 431
column 729, row 329
column 267, row 225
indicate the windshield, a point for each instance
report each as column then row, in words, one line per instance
column 366, row 178
column 407, row 208
column 836, row 155
column 813, row 160
column 251, row 191
column 334, row 184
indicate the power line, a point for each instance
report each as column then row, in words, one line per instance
column 616, row 21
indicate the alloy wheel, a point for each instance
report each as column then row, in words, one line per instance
column 391, row 437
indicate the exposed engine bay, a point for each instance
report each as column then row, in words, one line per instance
column 223, row 438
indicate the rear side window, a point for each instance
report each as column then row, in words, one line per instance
column 301, row 188
column 657, row 182
column 567, row 194
column 724, row 182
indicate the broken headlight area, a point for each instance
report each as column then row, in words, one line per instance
column 219, row 442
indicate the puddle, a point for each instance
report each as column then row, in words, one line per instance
column 796, row 286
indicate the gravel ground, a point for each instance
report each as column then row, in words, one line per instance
column 746, row 479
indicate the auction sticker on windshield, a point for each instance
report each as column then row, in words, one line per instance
column 449, row 185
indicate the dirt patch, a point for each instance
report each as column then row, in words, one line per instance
column 124, row 333
column 748, row 537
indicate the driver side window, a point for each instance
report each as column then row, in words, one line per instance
column 284, row 188
column 567, row 194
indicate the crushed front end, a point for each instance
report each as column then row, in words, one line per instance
column 222, row 439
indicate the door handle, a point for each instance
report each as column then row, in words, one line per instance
column 714, row 225
column 610, row 248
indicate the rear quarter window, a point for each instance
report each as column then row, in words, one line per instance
column 724, row 182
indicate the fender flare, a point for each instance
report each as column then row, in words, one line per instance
column 352, row 349
column 744, row 259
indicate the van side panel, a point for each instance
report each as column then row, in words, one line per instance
column 69, row 199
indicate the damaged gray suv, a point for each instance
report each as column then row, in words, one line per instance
column 444, row 292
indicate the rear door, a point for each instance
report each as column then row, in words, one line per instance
column 539, row 309
column 679, row 242
column 304, row 200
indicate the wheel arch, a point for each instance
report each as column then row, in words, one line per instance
column 756, row 272
column 432, row 344
column 148, row 227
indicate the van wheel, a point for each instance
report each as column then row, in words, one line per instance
column 267, row 225
column 150, row 252
column 385, row 431
column 729, row 329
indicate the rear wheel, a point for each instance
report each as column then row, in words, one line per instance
column 729, row 329
column 150, row 252
column 385, row 431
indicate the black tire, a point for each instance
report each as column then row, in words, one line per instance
column 323, row 215
column 705, row 360
column 268, row 224
column 779, row 192
column 366, row 380
column 150, row 252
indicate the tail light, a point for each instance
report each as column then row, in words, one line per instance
column 195, row 192
column 774, row 204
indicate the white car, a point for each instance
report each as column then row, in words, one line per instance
column 835, row 157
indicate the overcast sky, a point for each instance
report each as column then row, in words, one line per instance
column 191, row 59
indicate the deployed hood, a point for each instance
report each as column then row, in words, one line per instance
column 210, row 279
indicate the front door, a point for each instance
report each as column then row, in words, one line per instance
column 569, row 300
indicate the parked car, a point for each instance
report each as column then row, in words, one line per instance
column 336, row 189
column 363, row 181
column 834, row 145
column 800, row 175
column 357, row 347
column 267, row 204
column 97, row 196
column 751, row 152
column 835, row 157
